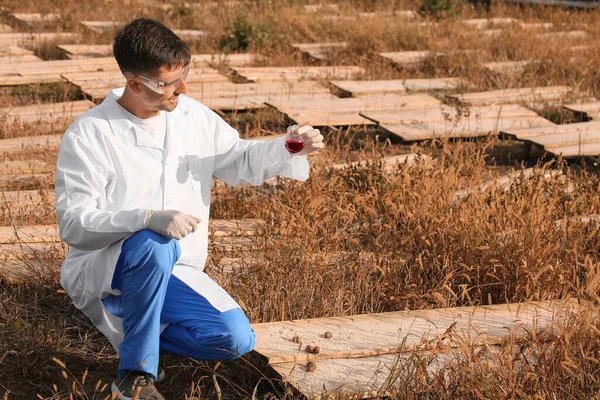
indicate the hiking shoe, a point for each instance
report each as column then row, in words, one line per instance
column 136, row 385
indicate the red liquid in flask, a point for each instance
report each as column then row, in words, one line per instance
column 294, row 146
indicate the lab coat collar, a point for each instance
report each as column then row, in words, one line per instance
column 121, row 125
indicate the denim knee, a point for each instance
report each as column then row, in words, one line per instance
column 238, row 336
column 148, row 249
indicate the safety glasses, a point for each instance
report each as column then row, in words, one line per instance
column 161, row 87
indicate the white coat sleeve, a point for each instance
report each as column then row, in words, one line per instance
column 80, row 193
column 253, row 161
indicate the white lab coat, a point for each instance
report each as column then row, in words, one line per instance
column 109, row 173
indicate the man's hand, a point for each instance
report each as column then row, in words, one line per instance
column 313, row 140
column 171, row 223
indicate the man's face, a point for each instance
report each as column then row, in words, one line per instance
column 171, row 82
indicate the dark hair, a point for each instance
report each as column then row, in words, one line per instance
column 145, row 45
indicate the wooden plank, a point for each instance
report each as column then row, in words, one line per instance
column 535, row 25
column 29, row 39
column 332, row 119
column 507, row 67
column 421, row 85
column 383, row 102
column 261, row 74
column 407, row 59
column 442, row 112
column 361, row 88
column 578, row 219
column 25, row 167
column 365, row 335
column 27, row 197
column 462, row 129
column 574, row 129
column 570, row 35
column 17, row 59
column 482, row 23
column 25, row 181
column 504, row 183
column 45, row 112
column 406, row 14
column 442, row 121
column 5, row 28
column 512, row 96
column 13, row 80
column 30, row 142
column 254, row 101
column 33, row 19
column 14, row 50
column 345, row 111
column 102, row 27
column 390, row 163
column 578, row 150
column 589, row 109
column 78, row 51
column 319, row 51
column 49, row 233
column 312, row 8
column 231, row 60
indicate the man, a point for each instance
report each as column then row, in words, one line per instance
column 133, row 181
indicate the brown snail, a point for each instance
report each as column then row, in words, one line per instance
column 328, row 335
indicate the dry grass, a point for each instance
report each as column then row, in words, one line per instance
column 399, row 240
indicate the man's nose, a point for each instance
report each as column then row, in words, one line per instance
column 181, row 88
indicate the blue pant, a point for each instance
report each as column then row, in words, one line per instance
column 151, row 296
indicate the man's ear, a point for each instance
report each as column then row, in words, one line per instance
column 134, row 85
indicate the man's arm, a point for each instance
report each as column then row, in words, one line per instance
column 253, row 161
column 80, row 187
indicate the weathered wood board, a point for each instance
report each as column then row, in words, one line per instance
column 408, row 59
column 591, row 109
column 14, row 50
column 98, row 84
column 507, row 67
column 390, row 163
column 5, row 28
column 26, row 181
column 32, row 39
column 27, row 197
column 346, row 111
column 569, row 35
column 16, row 80
column 319, row 51
column 442, row 121
column 513, row 96
column 504, row 183
column 49, row 233
column 312, row 8
column 358, row 340
column 256, row 101
column 33, row 19
column 287, row 74
column 45, row 112
column 568, row 140
column 25, row 167
column 483, row 23
column 102, row 27
column 30, row 142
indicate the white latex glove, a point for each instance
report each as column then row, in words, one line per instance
column 171, row 223
column 313, row 140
